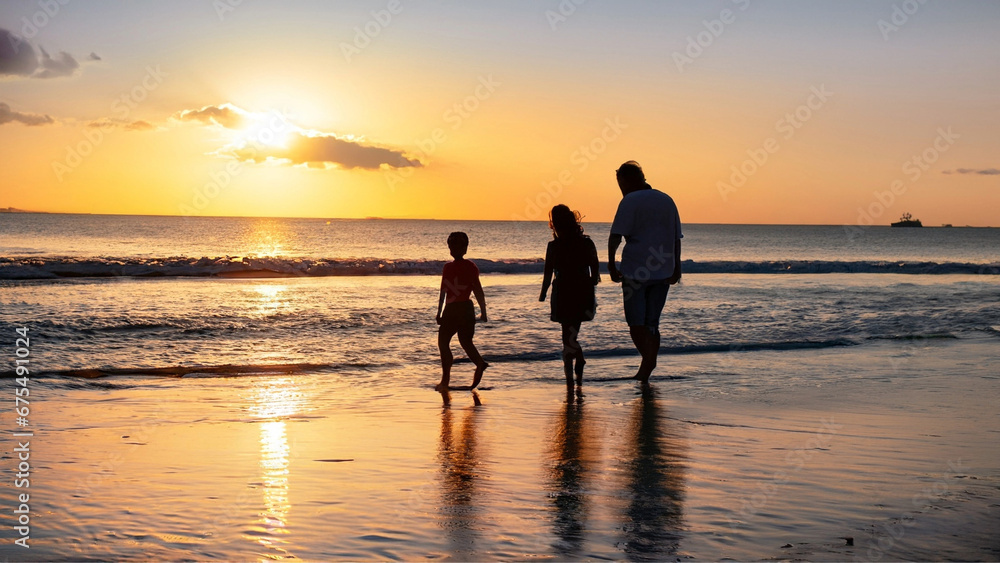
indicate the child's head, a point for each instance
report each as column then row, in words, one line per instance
column 458, row 244
column 564, row 222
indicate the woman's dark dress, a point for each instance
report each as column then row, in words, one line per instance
column 573, row 297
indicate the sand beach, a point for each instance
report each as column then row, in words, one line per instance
column 878, row 453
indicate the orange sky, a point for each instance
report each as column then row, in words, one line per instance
column 443, row 111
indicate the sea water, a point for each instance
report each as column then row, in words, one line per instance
column 130, row 292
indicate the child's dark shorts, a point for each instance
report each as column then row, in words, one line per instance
column 459, row 317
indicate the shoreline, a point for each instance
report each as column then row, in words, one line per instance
column 718, row 461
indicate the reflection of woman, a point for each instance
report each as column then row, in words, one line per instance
column 572, row 257
column 571, row 453
column 460, row 473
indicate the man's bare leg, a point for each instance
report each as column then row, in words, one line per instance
column 647, row 343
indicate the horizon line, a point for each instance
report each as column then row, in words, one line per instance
column 3, row 211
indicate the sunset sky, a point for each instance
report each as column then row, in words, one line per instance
column 745, row 111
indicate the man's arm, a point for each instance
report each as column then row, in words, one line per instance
column 676, row 277
column 614, row 241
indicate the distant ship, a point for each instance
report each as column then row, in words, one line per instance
column 907, row 220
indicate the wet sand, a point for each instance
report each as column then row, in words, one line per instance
column 893, row 446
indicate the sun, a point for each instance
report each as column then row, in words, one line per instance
column 270, row 129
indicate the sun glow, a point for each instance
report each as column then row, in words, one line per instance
column 266, row 129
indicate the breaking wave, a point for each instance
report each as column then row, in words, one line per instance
column 29, row 268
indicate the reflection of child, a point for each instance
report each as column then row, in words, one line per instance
column 459, row 280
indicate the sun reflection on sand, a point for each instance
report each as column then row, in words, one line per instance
column 274, row 400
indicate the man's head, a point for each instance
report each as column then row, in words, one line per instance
column 630, row 177
column 458, row 244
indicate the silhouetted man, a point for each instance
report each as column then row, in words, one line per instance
column 651, row 261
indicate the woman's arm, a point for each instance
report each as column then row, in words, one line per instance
column 547, row 276
column 595, row 264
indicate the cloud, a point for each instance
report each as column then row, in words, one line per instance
column 17, row 56
column 320, row 150
column 8, row 115
column 226, row 115
column 19, row 59
column 979, row 171
column 110, row 123
column 270, row 137
column 63, row 64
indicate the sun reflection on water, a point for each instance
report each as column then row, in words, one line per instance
column 268, row 239
column 268, row 299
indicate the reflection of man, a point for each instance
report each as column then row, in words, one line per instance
column 651, row 260
column 655, row 483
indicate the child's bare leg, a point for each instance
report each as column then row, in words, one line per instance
column 465, row 339
column 572, row 350
column 447, row 359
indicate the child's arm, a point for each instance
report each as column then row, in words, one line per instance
column 547, row 277
column 441, row 297
column 477, row 290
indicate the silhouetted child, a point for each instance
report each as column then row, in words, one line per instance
column 459, row 280
column 572, row 257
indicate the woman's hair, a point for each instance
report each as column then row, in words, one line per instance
column 564, row 222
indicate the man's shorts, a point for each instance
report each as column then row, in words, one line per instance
column 644, row 302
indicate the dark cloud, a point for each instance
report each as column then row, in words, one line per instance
column 19, row 58
column 226, row 115
column 110, row 123
column 8, row 115
column 979, row 171
column 322, row 151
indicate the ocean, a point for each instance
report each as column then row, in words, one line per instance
column 261, row 389
column 135, row 292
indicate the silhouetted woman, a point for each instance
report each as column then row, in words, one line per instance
column 572, row 257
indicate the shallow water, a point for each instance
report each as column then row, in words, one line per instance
column 380, row 322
